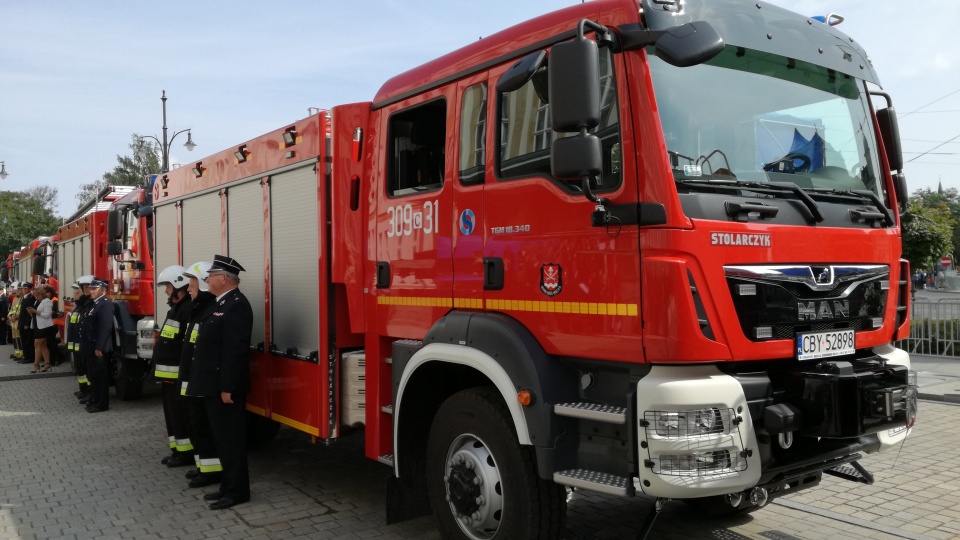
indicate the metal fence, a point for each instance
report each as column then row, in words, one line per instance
column 934, row 328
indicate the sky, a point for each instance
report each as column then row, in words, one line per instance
column 77, row 79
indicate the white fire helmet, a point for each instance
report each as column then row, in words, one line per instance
column 199, row 270
column 172, row 275
column 84, row 281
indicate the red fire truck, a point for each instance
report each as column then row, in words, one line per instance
column 82, row 248
column 630, row 246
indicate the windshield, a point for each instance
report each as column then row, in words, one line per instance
column 757, row 117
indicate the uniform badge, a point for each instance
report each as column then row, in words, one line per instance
column 551, row 279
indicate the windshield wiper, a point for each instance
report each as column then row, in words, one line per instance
column 861, row 194
column 808, row 202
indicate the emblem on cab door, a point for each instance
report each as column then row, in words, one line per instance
column 551, row 279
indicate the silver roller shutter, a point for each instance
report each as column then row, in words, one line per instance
column 200, row 219
column 165, row 251
column 65, row 274
column 293, row 227
column 86, row 263
column 245, row 244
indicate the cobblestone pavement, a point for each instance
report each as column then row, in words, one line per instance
column 65, row 473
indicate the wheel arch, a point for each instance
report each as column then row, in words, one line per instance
column 469, row 349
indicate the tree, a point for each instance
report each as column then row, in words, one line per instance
column 25, row 215
column 927, row 234
column 949, row 200
column 129, row 171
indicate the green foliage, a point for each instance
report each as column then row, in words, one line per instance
column 130, row 170
column 927, row 233
column 946, row 199
column 26, row 215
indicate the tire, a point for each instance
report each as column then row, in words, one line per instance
column 260, row 430
column 129, row 380
column 473, row 455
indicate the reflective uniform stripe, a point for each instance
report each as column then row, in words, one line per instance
column 183, row 388
column 183, row 445
column 166, row 372
column 82, row 379
column 173, row 443
column 193, row 334
column 170, row 329
column 210, row 465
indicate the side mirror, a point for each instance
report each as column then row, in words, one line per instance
column 144, row 210
column 521, row 72
column 38, row 263
column 38, row 252
column 900, row 187
column 574, row 85
column 114, row 248
column 686, row 45
column 890, row 133
column 115, row 223
column 4, row 274
column 572, row 158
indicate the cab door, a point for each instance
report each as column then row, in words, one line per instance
column 413, row 270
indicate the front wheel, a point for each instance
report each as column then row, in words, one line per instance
column 483, row 485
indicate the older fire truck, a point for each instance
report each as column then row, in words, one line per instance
column 630, row 246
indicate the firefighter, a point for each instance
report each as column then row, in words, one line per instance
column 96, row 345
column 220, row 374
column 25, row 322
column 166, row 359
column 4, row 309
column 80, row 304
column 209, row 469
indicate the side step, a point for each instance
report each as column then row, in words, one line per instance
column 592, row 411
column 853, row 472
column 610, row 484
column 386, row 460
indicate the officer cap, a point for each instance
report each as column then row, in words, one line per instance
column 26, row 285
column 97, row 282
column 222, row 263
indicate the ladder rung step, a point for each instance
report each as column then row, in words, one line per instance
column 387, row 409
column 592, row 411
column 594, row 481
column 386, row 460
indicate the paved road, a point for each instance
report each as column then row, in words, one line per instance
column 68, row 474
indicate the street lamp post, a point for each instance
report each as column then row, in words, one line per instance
column 165, row 143
column 3, row 170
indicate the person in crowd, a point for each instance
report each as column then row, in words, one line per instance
column 209, row 469
column 166, row 360
column 13, row 319
column 4, row 310
column 25, row 321
column 221, row 376
column 43, row 326
column 96, row 345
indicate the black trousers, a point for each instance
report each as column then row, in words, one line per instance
column 229, row 425
column 204, row 447
column 26, row 344
column 176, row 417
column 80, row 367
column 98, row 373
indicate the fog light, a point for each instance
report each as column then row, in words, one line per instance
column 877, row 322
column 763, row 332
column 696, row 463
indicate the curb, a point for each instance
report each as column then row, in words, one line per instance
column 38, row 376
column 945, row 398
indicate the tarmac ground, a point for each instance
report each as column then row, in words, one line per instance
column 65, row 473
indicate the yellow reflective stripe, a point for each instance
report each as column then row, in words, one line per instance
column 613, row 309
column 82, row 379
column 183, row 388
column 193, row 335
column 173, row 442
column 166, row 372
column 210, row 465
column 183, row 445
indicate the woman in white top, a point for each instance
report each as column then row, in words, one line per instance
column 43, row 319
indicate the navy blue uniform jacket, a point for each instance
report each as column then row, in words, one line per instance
column 221, row 354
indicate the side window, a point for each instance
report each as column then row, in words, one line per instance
column 416, row 146
column 526, row 137
column 473, row 134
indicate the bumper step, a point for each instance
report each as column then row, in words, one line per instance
column 610, row 484
column 853, row 472
column 592, row 411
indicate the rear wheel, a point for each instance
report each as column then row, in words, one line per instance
column 129, row 379
column 482, row 483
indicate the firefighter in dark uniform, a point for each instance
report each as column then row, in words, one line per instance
column 166, row 360
column 75, row 321
column 220, row 374
column 96, row 345
column 25, row 322
column 209, row 470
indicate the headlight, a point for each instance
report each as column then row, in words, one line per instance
column 701, row 463
column 687, row 423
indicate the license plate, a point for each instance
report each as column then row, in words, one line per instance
column 825, row 344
